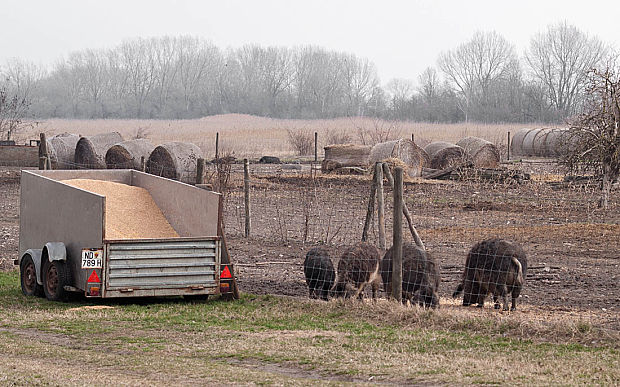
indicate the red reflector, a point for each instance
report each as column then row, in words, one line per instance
column 225, row 273
column 93, row 277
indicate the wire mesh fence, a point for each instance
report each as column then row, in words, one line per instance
column 304, row 223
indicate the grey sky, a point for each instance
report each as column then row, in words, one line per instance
column 400, row 37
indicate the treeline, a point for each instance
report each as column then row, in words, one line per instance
column 483, row 79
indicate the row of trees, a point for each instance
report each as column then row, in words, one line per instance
column 483, row 79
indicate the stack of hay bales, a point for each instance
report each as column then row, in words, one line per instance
column 482, row 153
column 406, row 150
column 445, row 155
column 175, row 160
column 61, row 150
column 540, row 142
column 128, row 154
column 90, row 151
column 345, row 155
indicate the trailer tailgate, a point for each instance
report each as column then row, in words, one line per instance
column 162, row 267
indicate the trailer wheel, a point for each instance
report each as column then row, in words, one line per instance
column 28, row 278
column 56, row 276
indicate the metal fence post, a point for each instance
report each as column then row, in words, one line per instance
column 316, row 147
column 246, row 195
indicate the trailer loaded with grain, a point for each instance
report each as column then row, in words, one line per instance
column 120, row 233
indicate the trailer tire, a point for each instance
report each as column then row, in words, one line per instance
column 55, row 276
column 28, row 278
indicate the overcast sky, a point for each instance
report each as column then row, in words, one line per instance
column 401, row 37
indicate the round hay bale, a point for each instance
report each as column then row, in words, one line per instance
column 445, row 155
column 128, row 154
column 482, row 153
column 61, row 150
column 345, row 155
column 175, row 160
column 404, row 149
column 90, row 151
column 516, row 143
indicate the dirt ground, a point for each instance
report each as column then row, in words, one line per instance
column 573, row 247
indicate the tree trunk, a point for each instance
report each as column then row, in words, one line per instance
column 608, row 179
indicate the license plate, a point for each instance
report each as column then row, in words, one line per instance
column 92, row 259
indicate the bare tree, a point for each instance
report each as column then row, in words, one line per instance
column 13, row 110
column 560, row 59
column 593, row 140
column 429, row 90
column 474, row 66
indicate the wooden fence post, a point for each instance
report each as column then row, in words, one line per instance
column 142, row 164
column 397, row 236
column 246, row 195
column 42, row 151
column 200, row 171
column 217, row 147
column 412, row 138
column 380, row 204
column 371, row 209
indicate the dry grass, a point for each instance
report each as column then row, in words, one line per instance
column 252, row 136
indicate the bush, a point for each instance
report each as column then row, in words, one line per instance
column 302, row 141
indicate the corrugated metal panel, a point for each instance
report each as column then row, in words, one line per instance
column 162, row 264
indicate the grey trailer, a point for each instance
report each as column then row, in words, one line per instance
column 63, row 247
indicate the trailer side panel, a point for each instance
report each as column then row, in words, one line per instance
column 54, row 212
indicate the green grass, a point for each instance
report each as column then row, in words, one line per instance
column 267, row 339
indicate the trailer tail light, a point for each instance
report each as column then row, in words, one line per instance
column 93, row 291
column 224, row 288
column 226, row 279
column 93, row 285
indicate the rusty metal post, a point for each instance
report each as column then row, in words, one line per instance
column 397, row 236
column 200, row 171
column 508, row 147
column 316, row 147
column 42, row 151
column 217, row 147
column 380, row 204
column 246, row 195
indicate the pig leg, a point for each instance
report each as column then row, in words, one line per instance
column 515, row 294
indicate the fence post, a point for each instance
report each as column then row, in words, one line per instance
column 316, row 147
column 42, row 151
column 371, row 208
column 397, row 234
column 412, row 138
column 380, row 204
column 200, row 171
column 142, row 164
column 508, row 147
column 217, row 147
column 246, row 195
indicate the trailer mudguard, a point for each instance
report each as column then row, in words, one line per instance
column 55, row 251
column 35, row 254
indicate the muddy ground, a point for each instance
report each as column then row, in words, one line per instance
column 573, row 247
